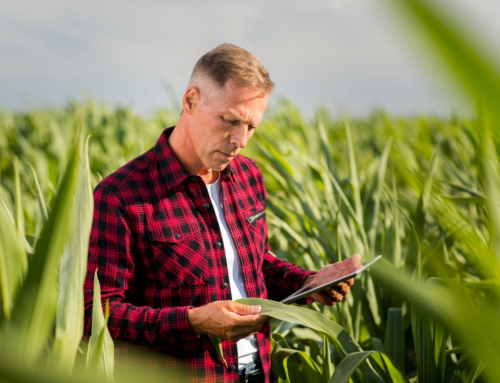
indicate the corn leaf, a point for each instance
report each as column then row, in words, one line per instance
column 12, row 257
column 101, row 351
column 348, row 365
column 298, row 366
column 465, row 372
column 217, row 342
column 394, row 344
column 70, row 308
column 477, row 330
column 342, row 341
column 353, row 174
column 328, row 367
column 386, row 369
column 34, row 309
column 373, row 207
column 11, row 371
column 39, row 194
column 19, row 212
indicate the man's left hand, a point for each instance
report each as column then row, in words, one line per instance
column 333, row 294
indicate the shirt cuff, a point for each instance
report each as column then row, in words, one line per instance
column 298, row 284
column 175, row 325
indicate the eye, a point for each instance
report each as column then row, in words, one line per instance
column 231, row 122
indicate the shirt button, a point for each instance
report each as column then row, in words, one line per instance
column 224, row 286
column 234, row 367
column 177, row 236
column 218, row 244
column 206, row 205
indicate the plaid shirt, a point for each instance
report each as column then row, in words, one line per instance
column 158, row 249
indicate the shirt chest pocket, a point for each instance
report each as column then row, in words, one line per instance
column 179, row 254
column 256, row 222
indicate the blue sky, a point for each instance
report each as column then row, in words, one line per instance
column 349, row 55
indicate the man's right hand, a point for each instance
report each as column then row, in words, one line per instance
column 226, row 320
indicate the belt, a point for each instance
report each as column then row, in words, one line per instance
column 252, row 373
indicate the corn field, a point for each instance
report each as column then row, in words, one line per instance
column 423, row 191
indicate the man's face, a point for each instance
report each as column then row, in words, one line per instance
column 221, row 129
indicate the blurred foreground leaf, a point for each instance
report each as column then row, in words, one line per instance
column 101, row 351
column 70, row 308
column 34, row 308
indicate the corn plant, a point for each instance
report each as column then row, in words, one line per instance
column 422, row 191
column 41, row 292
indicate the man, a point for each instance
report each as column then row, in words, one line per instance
column 180, row 232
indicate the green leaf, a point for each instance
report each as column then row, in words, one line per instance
column 348, row 365
column 297, row 362
column 353, row 174
column 39, row 194
column 70, row 307
column 439, row 335
column 342, row 341
column 12, row 258
column 217, row 342
column 11, row 371
column 101, row 351
column 374, row 197
column 490, row 167
column 424, row 200
column 476, row 328
column 386, row 369
column 467, row 200
column 394, row 344
column 327, row 360
column 19, row 212
column 35, row 307
column 466, row 371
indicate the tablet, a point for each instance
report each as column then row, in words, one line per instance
column 304, row 291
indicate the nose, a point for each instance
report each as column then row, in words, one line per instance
column 239, row 137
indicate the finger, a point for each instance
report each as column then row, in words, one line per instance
column 353, row 260
column 349, row 282
column 335, row 295
column 324, row 298
column 240, row 309
column 243, row 321
column 342, row 288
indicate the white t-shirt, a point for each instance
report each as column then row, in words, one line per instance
column 247, row 347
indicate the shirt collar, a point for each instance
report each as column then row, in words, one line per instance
column 171, row 170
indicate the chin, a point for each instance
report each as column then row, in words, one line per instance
column 220, row 167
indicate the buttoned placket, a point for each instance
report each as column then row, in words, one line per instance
column 204, row 206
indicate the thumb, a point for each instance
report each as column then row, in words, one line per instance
column 246, row 310
column 352, row 260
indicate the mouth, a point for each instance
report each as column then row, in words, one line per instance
column 228, row 156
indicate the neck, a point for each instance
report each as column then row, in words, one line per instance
column 183, row 149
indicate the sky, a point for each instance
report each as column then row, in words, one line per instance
column 349, row 55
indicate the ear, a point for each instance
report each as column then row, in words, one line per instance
column 190, row 100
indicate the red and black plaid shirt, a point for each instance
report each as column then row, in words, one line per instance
column 158, row 248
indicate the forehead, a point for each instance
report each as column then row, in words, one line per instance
column 244, row 103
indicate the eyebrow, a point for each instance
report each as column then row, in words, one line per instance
column 240, row 118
